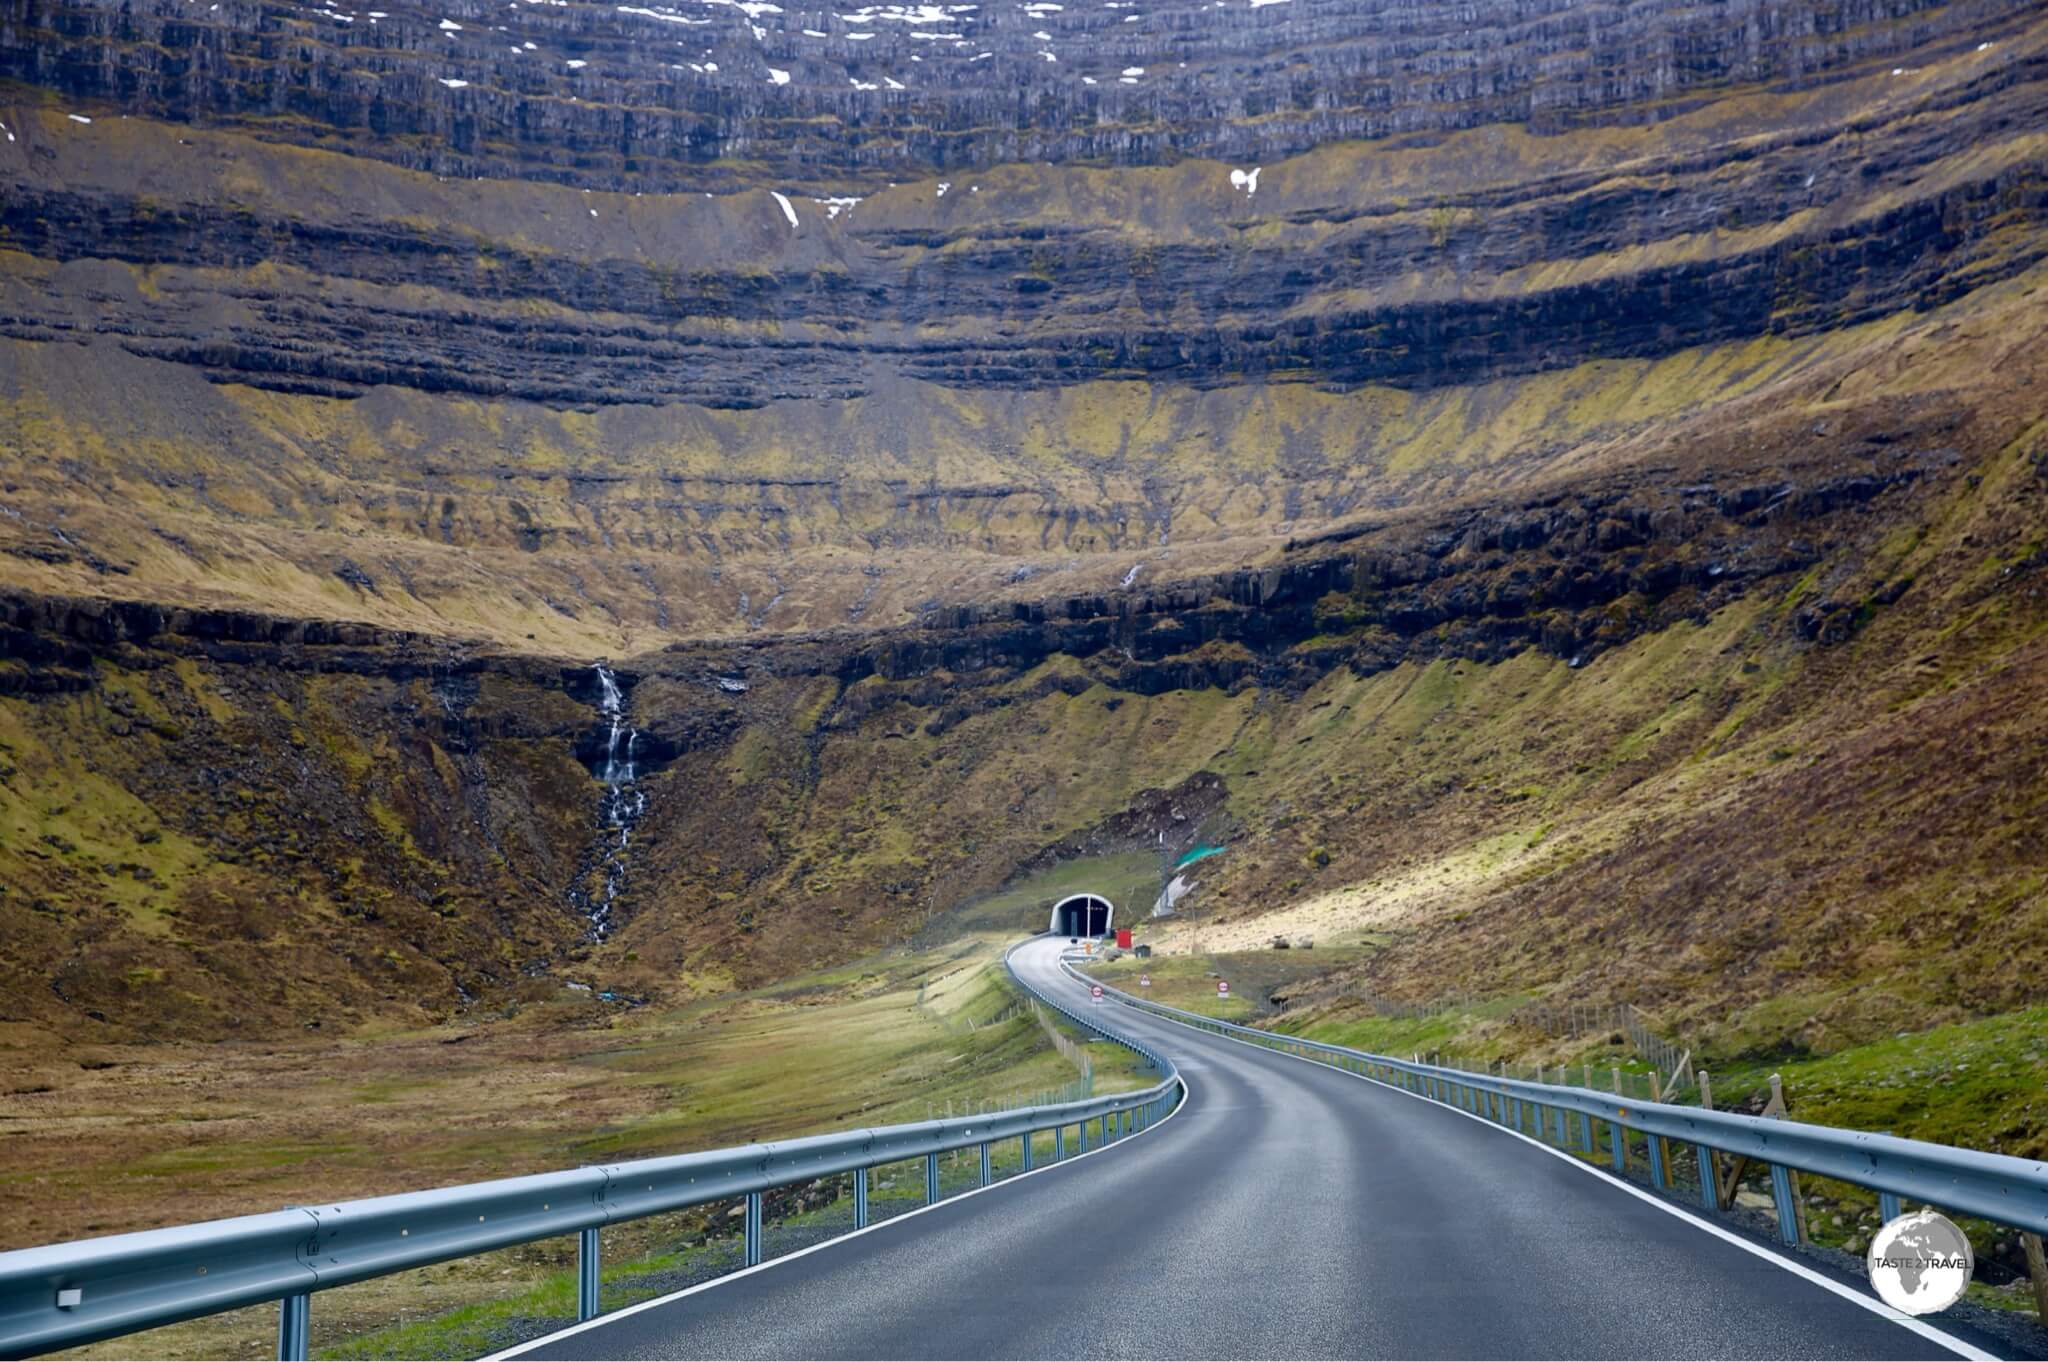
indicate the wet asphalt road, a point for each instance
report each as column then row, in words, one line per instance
column 1287, row 1210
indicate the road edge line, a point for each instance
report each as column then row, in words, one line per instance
column 1910, row 1323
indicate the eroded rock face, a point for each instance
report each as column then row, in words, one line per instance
column 999, row 226
column 706, row 94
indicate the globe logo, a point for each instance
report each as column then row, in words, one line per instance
column 1920, row 1263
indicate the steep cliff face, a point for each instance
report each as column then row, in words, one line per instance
column 704, row 95
column 1487, row 254
column 955, row 425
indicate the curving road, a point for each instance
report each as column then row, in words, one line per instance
column 1287, row 1210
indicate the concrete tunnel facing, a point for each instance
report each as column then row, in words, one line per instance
column 1082, row 915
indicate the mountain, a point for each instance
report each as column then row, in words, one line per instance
column 1555, row 488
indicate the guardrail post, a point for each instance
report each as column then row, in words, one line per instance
column 1586, row 1132
column 753, row 1229
column 860, row 1190
column 1059, row 1143
column 1656, row 1163
column 1889, row 1209
column 1788, row 1208
column 1617, row 1140
column 294, row 1328
column 586, row 1275
column 931, row 1179
column 987, row 1171
column 1710, row 1190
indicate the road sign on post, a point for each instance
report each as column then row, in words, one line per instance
column 1144, row 981
column 1095, row 993
column 1223, row 988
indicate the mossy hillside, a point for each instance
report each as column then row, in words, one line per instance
column 1542, row 781
column 198, row 848
column 459, row 516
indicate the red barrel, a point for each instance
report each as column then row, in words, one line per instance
column 1123, row 937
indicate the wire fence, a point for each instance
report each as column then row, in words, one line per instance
column 1671, row 1064
column 1069, row 1049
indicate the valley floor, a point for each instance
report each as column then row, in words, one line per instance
column 107, row 1139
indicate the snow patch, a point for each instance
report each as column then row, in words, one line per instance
column 778, row 76
column 788, row 208
column 451, row 83
column 78, row 118
column 450, row 26
column 1248, row 183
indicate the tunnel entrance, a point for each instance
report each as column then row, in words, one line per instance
column 1082, row 915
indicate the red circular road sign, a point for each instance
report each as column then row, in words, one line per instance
column 1223, row 988
column 1096, row 993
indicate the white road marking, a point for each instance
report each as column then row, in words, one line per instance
column 1187, row 1098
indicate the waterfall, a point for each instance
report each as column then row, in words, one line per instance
column 623, row 801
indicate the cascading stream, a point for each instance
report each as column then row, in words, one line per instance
column 623, row 801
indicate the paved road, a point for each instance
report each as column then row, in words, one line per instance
column 1288, row 1210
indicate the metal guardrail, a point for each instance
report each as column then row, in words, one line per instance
column 65, row 1295
column 1996, row 1187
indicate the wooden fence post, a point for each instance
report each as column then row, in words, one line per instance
column 2037, row 1268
